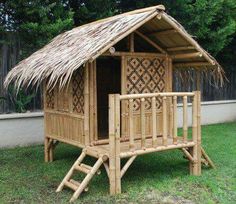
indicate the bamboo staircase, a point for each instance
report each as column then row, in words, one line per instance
column 90, row 171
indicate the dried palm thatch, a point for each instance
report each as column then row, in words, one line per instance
column 57, row 61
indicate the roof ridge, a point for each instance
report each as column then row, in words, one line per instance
column 159, row 7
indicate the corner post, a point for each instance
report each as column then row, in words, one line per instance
column 114, row 144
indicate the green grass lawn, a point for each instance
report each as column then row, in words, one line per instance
column 154, row 178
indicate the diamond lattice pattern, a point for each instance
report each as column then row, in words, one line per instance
column 78, row 91
column 145, row 75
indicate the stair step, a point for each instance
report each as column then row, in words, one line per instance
column 71, row 185
column 83, row 168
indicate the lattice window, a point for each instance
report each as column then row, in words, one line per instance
column 50, row 99
column 78, row 91
column 145, row 75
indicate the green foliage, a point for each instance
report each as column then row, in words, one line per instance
column 212, row 22
column 36, row 22
column 20, row 99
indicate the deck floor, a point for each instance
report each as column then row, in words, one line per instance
column 124, row 146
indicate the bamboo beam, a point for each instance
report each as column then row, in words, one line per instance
column 149, row 95
column 188, row 155
column 123, row 139
column 127, row 165
column 154, row 122
column 155, row 149
column 121, row 54
column 187, row 37
column 185, row 119
column 131, row 122
column 143, row 125
column 163, row 32
column 175, row 137
column 180, row 48
column 164, row 115
column 131, row 42
column 191, row 64
column 207, row 158
column 151, row 42
column 187, row 55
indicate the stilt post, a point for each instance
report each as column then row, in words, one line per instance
column 114, row 144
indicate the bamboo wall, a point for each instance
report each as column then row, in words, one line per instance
column 64, row 111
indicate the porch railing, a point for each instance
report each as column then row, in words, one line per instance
column 164, row 137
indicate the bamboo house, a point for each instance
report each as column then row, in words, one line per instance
column 108, row 90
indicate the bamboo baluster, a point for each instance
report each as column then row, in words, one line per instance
column 142, row 113
column 164, row 128
column 175, row 130
column 154, row 122
column 170, row 105
column 131, row 122
column 185, row 119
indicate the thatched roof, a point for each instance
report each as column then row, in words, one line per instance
column 68, row 51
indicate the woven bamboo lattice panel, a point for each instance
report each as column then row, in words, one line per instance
column 50, row 99
column 145, row 75
column 78, row 91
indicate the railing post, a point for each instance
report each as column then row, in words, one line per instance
column 175, row 130
column 114, row 144
column 195, row 167
column 185, row 119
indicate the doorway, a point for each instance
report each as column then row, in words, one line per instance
column 108, row 82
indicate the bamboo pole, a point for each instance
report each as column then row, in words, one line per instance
column 131, row 122
column 199, row 152
column 149, row 95
column 185, row 119
column 192, row 151
column 142, row 114
column 117, row 143
column 180, row 48
column 187, row 55
column 154, row 122
column 131, row 42
column 86, row 105
column 188, row 155
column 112, row 158
column 164, row 128
column 127, row 165
column 114, row 144
column 175, row 130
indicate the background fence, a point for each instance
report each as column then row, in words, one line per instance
column 10, row 54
